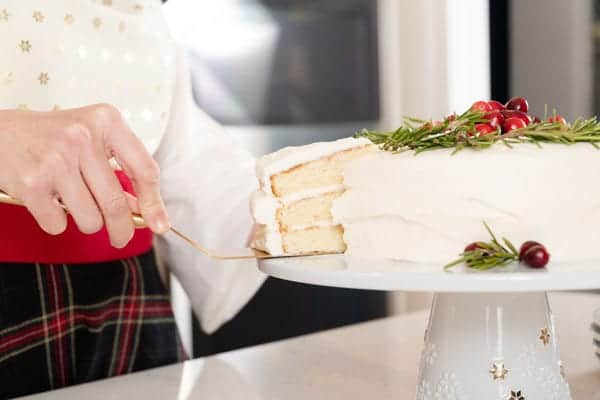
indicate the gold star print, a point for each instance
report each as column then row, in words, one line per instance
column 138, row 7
column 498, row 371
column 545, row 336
column 97, row 22
column 69, row 19
column 38, row 16
column 122, row 26
column 25, row 46
column 8, row 78
column 23, row 107
column 515, row 395
column 107, row 3
column 56, row 107
column 4, row 15
column 43, row 78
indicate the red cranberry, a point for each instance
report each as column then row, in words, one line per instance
column 451, row 117
column 481, row 106
column 518, row 104
column 484, row 129
column 496, row 105
column 557, row 119
column 536, row 257
column 495, row 118
column 472, row 247
column 516, row 114
column 513, row 123
column 535, row 120
column 526, row 246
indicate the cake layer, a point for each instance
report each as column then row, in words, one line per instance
column 427, row 207
column 294, row 156
column 314, row 240
column 325, row 171
column 308, row 212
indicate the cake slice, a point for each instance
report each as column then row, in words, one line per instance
column 298, row 186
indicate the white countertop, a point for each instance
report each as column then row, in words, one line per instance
column 375, row 360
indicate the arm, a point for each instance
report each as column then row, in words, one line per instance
column 206, row 181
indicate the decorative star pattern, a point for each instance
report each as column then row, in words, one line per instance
column 38, row 16
column 69, row 19
column 44, row 78
column 498, row 371
column 97, row 22
column 138, row 8
column 545, row 336
column 122, row 26
column 107, row 3
column 516, row 395
column 25, row 46
column 4, row 15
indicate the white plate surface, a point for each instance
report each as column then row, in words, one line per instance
column 383, row 274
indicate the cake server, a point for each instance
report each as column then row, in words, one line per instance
column 138, row 220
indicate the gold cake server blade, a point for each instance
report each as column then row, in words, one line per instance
column 228, row 254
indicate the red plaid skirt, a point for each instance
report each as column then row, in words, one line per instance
column 68, row 324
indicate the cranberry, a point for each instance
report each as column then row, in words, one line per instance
column 526, row 246
column 535, row 120
column 496, row 105
column 472, row 247
column 484, row 129
column 557, row 119
column 451, row 117
column 518, row 104
column 536, row 257
column 481, row 106
column 513, row 123
column 516, row 114
column 495, row 118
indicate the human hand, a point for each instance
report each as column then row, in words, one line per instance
column 46, row 156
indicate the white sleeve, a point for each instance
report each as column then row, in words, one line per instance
column 206, row 181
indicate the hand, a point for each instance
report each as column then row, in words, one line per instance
column 45, row 156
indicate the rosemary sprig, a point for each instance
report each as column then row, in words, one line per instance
column 458, row 132
column 487, row 255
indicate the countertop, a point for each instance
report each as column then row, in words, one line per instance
column 374, row 360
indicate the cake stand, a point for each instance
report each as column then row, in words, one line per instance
column 490, row 334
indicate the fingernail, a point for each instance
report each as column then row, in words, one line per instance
column 162, row 225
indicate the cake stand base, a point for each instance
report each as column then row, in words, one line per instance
column 491, row 346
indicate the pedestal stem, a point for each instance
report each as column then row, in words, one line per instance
column 491, row 346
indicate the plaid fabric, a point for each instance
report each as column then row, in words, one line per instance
column 67, row 324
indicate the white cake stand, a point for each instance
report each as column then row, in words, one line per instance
column 491, row 334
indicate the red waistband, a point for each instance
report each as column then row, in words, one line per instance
column 23, row 241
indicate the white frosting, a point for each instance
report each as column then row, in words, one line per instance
column 289, row 157
column 427, row 207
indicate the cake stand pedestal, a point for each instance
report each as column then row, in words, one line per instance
column 490, row 335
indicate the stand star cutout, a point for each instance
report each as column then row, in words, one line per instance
column 498, row 371
column 545, row 336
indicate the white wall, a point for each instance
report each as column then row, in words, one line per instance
column 434, row 61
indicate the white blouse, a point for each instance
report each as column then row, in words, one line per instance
column 62, row 54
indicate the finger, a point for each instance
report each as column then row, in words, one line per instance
column 144, row 173
column 76, row 196
column 110, row 197
column 47, row 212
column 133, row 203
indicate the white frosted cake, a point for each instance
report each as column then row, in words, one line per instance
column 349, row 196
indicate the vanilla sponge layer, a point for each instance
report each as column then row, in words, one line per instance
column 326, row 171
